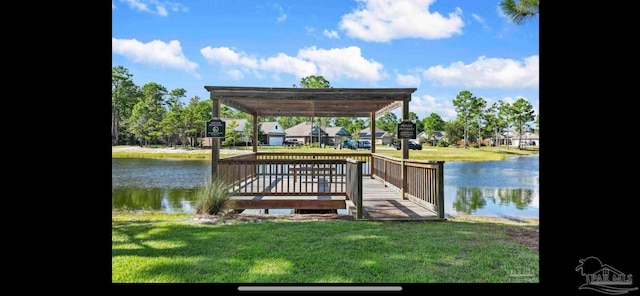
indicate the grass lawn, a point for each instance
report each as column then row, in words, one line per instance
column 427, row 153
column 159, row 247
column 461, row 154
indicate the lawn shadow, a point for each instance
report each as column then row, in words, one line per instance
column 306, row 252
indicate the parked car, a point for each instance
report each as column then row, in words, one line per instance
column 412, row 145
column 292, row 142
column 364, row 144
column 350, row 144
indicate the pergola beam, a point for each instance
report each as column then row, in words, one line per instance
column 392, row 106
column 327, row 102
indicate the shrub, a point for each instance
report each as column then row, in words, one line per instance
column 211, row 198
column 475, row 145
column 443, row 143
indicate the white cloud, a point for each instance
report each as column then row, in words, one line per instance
column 235, row 74
column 347, row 61
column 332, row 63
column 481, row 21
column 227, row 57
column 282, row 16
column 488, row 73
column 408, row 80
column 113, row 6
column 425, row 105
column 384, row 20
column 154, row 6
column 509, row 100
column 310, row 30
column 331, row 34
column 283, row 63
column 156, row 53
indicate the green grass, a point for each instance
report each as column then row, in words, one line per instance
column 152, row 152
column 427, row 153
column 155, row 247
column 461, row 154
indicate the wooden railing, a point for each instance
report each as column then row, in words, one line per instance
column 262, row 177
column 235, row 170
column 354, row 184
column 425, row 183
column 424, row 179
column 387, row 169
column 364, row 157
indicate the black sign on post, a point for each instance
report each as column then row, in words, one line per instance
column 406, row 130
column 215, row 128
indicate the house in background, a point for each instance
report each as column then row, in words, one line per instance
column 305, row 133
column 381, row 137
column 439, row 135
column 528, row 139
column 335, row 134
column 270, row 133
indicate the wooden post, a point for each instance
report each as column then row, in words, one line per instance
column 255, row 132
column 373, row 141
column 405, row 150
column 358, row 189
column 215, row 142
column 440, row 188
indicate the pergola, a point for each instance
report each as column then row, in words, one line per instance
column 312, row 102
column 275, row 175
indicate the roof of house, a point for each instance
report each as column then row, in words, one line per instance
column 379, row 133
column 240, row 121
column 333, row 131
column 439, row 134
column 265, row 127
column 302, row 130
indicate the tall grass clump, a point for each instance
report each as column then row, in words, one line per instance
column 211, row 198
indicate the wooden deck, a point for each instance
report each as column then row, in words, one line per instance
column 384, row 203
column 379, row 202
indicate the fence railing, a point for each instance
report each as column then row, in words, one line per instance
column 424, row 179
column 387, row 169
column 262, row 177
column 366, row 158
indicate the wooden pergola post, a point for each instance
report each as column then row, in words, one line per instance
column 405, row 150
column 373, row 140
column 215, row 142
column 255, row 132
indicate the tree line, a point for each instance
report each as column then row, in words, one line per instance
column 153, row 115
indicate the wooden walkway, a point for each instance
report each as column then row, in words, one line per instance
column 384, row 203
column 379, row 202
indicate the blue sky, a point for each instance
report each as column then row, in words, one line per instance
column 439, row 47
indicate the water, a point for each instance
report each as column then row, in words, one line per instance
column 508, row 188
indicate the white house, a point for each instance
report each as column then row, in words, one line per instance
column 528, row 139
column 272, row 133
column 422, row 135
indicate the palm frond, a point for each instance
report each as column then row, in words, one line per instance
column 520, row 11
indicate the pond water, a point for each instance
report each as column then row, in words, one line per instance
column 508, row 188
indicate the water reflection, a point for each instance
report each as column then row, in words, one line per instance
column 163, row 199
column 508, row 187
column 470, row 199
